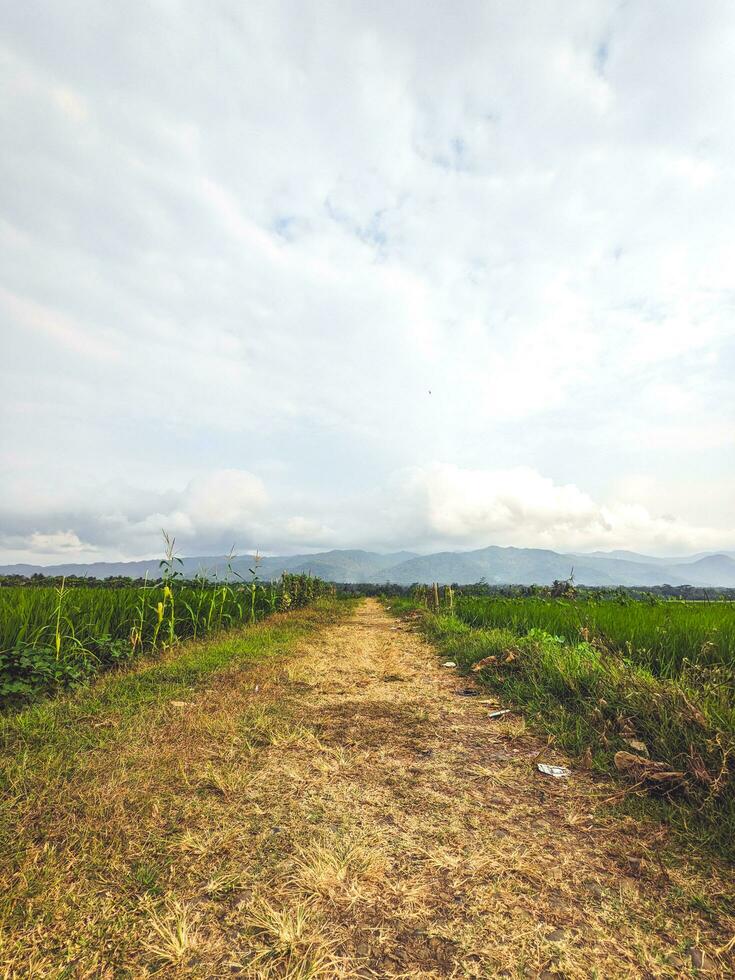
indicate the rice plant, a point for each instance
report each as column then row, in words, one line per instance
column 58, row 635
column 663, row 635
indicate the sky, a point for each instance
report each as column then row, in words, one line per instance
column 373, row 274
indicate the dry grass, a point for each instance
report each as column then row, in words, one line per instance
column 287, row 943
column 338, row 869
column 340, row 812
column 174, row 939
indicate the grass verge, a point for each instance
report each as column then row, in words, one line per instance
column 106, row 794
column 46, row 738
column 672, row 739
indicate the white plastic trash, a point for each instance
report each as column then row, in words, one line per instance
column 558, row 772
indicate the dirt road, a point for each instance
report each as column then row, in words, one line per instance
column 347, row 811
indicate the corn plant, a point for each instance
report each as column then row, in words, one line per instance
column 254, row 584
column 170, row 573
column 59, row 607
column 62, row 634
column 136, row 634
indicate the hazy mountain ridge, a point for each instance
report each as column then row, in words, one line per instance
column 498, row 566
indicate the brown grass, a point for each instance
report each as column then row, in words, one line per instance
column 341, row 812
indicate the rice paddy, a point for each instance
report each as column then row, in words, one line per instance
column 60, row 635
column 663, row 635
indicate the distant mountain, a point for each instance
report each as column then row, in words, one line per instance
column 635, row 557
column 497, row 566
column 336, row 566
column 98, row 569
column 651, row 560
column 626, row 571
column 333, row 566
column 711, row 569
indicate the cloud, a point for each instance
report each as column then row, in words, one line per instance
column 461, row 507
column 208, row 514
column 306, row 532
column 467, row 505
column 438, row 506
column 223, row 500
column 59, row 329
column 273, row 244
column 60, row 542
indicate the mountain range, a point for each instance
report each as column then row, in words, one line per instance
column 497, row 566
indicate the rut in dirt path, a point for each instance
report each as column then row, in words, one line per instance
column 343, row 810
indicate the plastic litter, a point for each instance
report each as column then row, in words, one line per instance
column 449, row 663
column 499, row 714
column 558, row 772
column 637, row 745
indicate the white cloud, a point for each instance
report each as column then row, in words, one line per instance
column 467, row 505
column 308, row 533
column 439, row 506
column 449, row 506
column 59, row 542
column 224, row 500
column 273, row 245
column 70, row 104
column 57, row 328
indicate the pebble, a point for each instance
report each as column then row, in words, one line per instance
column 698, row 958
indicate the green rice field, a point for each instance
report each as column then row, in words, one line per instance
column 662, row 635
column 52, row 636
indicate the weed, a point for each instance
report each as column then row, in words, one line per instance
column 174, row 939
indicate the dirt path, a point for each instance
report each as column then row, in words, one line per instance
column 345, row 812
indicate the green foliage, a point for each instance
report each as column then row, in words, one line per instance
column 594, row 695
column 51, row 637
column 663, row 635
